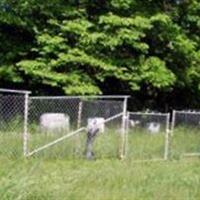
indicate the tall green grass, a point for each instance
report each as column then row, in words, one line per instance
column 185, row 140
column 61, row 173
column 141, row 145
column 110, row 179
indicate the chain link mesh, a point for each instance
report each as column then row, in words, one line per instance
column 11, row 124
column 75, row 113
column 186, row 138
column 148, row 135
column 57, row 127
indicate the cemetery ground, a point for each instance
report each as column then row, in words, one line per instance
column 100, row 179
column 56, row 174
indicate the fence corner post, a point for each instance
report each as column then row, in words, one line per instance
column 122, row 148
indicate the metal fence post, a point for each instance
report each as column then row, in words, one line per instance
column 126, row 134
column 77, row 137
column 173, row 122
column 123, row 132
column 167, row 137
column 80, row 108
column 25, row 131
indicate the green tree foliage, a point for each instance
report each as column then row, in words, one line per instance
column 150, row 49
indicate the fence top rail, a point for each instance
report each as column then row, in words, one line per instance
column 187, row 112
column 149, row 113
column 77, row 97
column 14, row 91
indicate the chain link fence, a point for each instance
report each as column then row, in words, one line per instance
column 58, row 126
column 63, row 127
column 92, row 127
column 12, row 122
column 148, row 137
column 186, row 136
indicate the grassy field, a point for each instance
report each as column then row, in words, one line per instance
column 105, row 179
column 57, row 174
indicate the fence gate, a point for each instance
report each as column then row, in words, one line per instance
column 13, row 122
column 186, row 136
column 148, row 136
column 57, row 126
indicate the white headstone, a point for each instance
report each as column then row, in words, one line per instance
column 96, row 122
column 54, row 122
column 153, row 127
column 133, row 123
